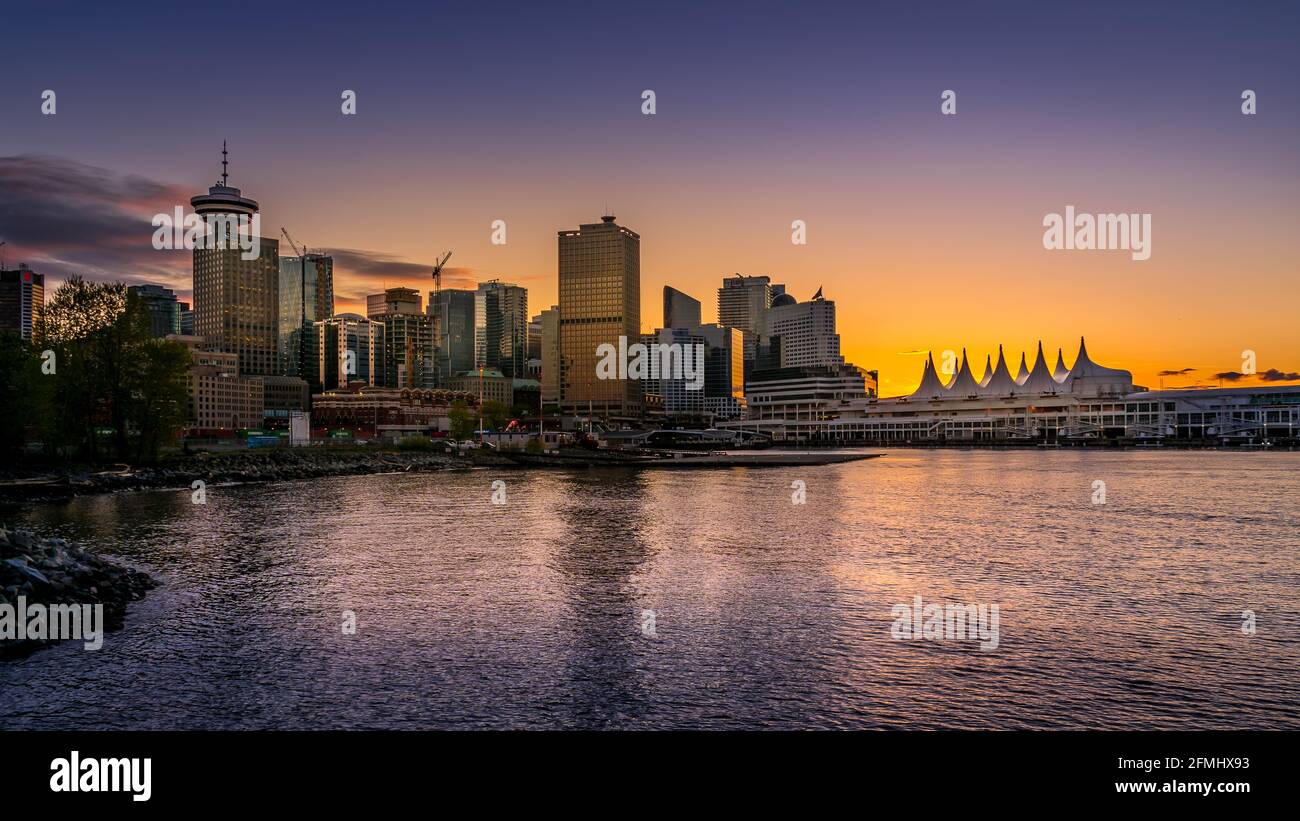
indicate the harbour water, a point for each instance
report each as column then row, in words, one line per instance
column 763, row 613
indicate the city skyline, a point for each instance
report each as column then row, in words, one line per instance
column 925, row 229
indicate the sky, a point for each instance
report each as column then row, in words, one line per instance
column 926, row 229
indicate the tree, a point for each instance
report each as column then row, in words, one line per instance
column 462, row 421
column 496, row 414
column 111, row 373
column 24, row 395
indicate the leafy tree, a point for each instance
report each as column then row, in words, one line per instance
column 24, row 395
column 496, row 413
column 462, row 421
column 111, row 373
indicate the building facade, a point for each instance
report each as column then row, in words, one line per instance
column 22, row 302
column 742, row 302
column 236, row 300
column 501, row 328
column 349, row 348
column 1084, row 403
column 680, row 309
column 600, row 301
column 452, row 311
column 306, row 297
column 163, row 309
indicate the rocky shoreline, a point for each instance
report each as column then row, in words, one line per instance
column 269, row 465
column 45, row 572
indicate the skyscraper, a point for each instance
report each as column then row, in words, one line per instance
column 22, row 302
column 408, row 349
column 550, row 355
column 306, row 297
column 454, row 308
column 600, row 300
column 164, row 310
column 236, row 304
column 501, row 327
column 680, row 309
column 742, row 301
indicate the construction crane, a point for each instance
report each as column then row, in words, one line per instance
column 302, row 252
column 435, row 305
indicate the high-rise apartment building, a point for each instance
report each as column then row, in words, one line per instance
column 350, row 348
column 306, row 297
column 408, row 349
column 22, row 302
column 680, row 309
column 236, row 302
column 501, row 328
column 600, row 300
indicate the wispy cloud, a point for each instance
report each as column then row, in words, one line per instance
column 63, row 217
column 1178, row 372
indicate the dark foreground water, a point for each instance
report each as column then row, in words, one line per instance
column 767, row 614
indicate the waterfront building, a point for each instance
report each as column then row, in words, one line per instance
column 387, row 413
column 163, row 309
column 236, row 303
column 680, row 309
column 600, row 301
column 453, row 309
column 282, row 397
column 501, row 327
column 348, row 342
column 22, row 302
column 492, row 385
column 1083, row 403
column 806, row 392
column 306, row 297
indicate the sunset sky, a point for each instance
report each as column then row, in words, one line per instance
column 925, row 229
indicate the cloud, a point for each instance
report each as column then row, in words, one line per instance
column 1274, row 375
column 63, row 217
column 1230, row 376
column 372, row 271
column 1179, row 372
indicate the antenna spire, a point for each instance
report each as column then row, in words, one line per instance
column 224, row 173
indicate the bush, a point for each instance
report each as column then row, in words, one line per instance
column 420, row 443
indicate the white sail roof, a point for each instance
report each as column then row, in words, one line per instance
column 1024, row 371
column 963, row 384
column 1060, row 373
column 1001, row 383
column 1040, row 379
column 930, row 387
column 988, row 371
